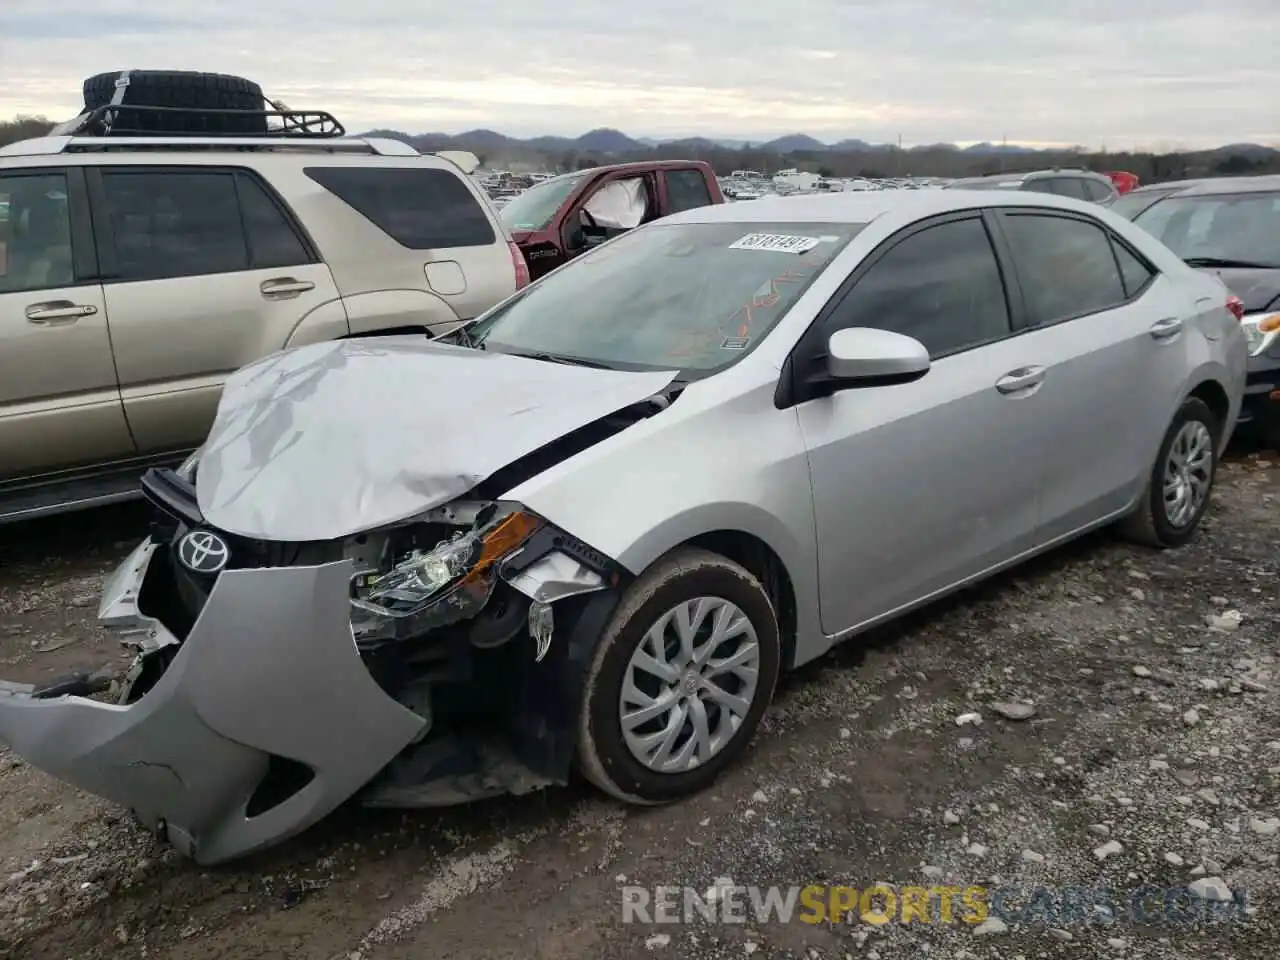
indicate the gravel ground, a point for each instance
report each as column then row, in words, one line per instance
column 1151, row 755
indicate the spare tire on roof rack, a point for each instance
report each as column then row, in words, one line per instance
column 188, row 102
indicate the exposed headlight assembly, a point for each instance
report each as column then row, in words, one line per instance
column 1261, row 332
column 430, row 588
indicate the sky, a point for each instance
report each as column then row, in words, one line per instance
column 1119, row 74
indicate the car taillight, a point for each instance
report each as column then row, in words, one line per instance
column 1236, row 306
column 522, row 267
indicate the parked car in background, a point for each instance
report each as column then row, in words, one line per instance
column 1136, row 201
column 1123, row 180
column 1230, row 227
column 1076, row 184
column 558, row 219
column 690, row 459
column 137, row 271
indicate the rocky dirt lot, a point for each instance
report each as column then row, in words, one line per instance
column 1152, row 756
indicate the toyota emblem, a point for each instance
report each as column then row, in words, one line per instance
column 203, row 552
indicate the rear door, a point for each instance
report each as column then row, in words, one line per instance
column 59, row 400
column 204, row 271
column 919, row 486
column 1108, row 330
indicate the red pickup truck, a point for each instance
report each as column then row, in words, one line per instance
column 560, row 218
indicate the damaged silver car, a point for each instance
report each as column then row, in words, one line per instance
column 589, row 531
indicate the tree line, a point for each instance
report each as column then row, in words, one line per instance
column 878, row 162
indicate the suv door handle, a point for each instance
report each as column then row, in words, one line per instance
column 1020, row 380
column 1166, row 328
column 57, row 312
column 283, row 288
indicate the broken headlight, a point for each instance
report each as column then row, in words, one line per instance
column 461, row 568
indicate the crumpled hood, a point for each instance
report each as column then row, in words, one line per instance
column 332, row 439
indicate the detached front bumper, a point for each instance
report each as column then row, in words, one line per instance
column 264, row 721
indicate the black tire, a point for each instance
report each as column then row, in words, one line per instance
column 603, row 756
column 182, row 88
column 1149, row 524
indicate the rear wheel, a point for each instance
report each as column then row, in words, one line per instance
column 680, row 680
column 1181, row 481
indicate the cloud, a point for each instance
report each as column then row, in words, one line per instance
column 1154, row 73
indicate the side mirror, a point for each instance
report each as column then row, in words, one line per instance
column 863, row 356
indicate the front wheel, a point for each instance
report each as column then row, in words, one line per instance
column 1181, row 481
column 680, row 680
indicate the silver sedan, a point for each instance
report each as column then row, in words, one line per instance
column 589, row 530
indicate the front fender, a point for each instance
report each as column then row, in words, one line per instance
column 737, row 464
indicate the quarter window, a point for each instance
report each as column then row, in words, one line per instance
column 1065, row 266
column 272, row 241
column 421, row 209
column 1134, row 272
column 174, row 223
column 35, row 233
column 941, row 286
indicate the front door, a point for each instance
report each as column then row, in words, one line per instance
column 59, row 400
column 921, row 485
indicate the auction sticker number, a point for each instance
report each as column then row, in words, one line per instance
column 776, row 242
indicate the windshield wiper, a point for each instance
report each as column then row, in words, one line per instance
column 561, row 358
column 1228, row 263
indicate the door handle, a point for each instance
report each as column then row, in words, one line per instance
column 1166, row 328
column 1020, row 380
column 283, row 288
column 57, row 312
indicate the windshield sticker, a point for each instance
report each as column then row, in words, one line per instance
column 735, row 343
column 776, row 242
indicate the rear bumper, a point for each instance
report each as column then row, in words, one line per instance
column 269, row 677
column 1260, row 410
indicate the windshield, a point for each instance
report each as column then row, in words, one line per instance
column 693, row 297
column 1241, row 227
column 1129, row 205
column 536, row 207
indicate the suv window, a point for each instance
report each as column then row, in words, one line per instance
column 941, row 285
column 1095, row 190
column 174, row 223
column 35, row 233
column 686, row 189
column 272, row 240
column 1068, row 187
column 1041, row 185
column 1065, row 266
column 423, row 209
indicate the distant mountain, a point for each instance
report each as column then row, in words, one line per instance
column 606, row 141
column 794, row 143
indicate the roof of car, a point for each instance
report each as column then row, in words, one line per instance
column 865, row 206
column 1259, row 184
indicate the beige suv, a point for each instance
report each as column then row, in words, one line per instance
column 137, row 273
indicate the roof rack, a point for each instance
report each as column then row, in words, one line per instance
column 113, row 120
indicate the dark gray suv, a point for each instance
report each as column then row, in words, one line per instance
column 1078, row 184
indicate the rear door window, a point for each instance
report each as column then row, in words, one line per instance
column 1068, row 187
column 1065, row 266
column 174, row 223
column 686, row 190
column 421, row 209
column 1096, row 190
